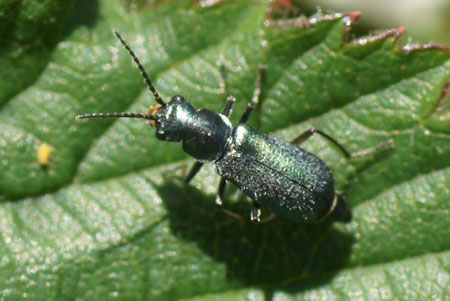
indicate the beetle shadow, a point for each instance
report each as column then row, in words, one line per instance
column 255, row 254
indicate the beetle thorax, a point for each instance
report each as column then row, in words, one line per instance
column 204, row 134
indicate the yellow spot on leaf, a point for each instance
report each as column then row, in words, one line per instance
column 44, row 153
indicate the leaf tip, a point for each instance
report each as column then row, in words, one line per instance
column 393, row 32
column 354, row 16
column 425, row 46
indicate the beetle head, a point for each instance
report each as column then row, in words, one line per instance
column 173, row 119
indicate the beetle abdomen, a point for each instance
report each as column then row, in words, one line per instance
column 282, row 177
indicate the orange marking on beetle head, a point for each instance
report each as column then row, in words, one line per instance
column 152, row 112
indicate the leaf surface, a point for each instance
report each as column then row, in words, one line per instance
column 110, row 216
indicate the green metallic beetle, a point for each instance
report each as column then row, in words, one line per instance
column 278, row 175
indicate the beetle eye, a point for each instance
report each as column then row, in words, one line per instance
column 178, row 98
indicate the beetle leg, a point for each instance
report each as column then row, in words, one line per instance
column 378, row 148
column 366, row 157
column 221, row 192
column 194, row 170
column 256, row 96
column 339, row 210
column 270, row 218
column 230, row 99
column 223, row 77
column 342, row 211
column 255, row 214
column 228, row 106
column 303, row 137
column 219, row 201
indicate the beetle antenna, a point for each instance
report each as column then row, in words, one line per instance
column 141, row 68
column 116, row 115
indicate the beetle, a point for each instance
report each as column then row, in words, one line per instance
column 278, row 175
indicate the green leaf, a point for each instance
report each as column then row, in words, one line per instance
column 109, row 216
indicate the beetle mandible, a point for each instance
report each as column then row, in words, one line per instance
column 278, row 175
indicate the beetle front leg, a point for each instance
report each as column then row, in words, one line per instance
column 194, row 170
column 256, row 96
column 230, row 99
column 228, row 106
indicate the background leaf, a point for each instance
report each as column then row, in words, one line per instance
column 110, row 215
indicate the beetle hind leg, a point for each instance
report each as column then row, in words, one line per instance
column 342, row 212
column 338, row 211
